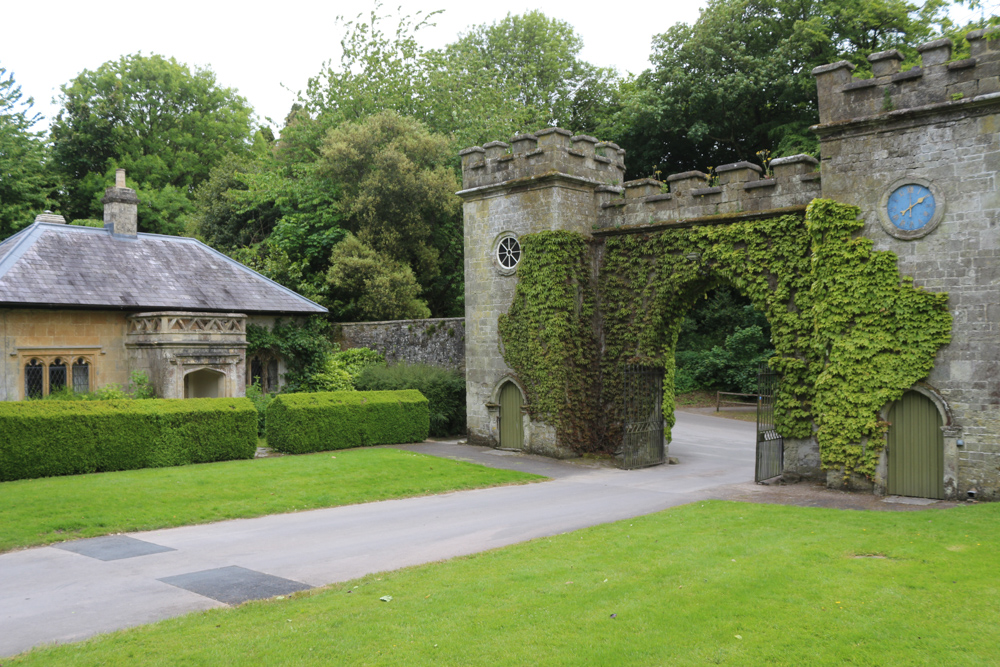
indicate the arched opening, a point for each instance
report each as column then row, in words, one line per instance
column 915, row 448
column 723, row 339
column 511, row 434
column 204, row 383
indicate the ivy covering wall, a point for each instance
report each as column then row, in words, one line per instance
column 850, row 335
column 548, row 336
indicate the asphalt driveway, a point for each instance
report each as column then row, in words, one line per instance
column 73, row 590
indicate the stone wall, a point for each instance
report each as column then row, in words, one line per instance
column 936, row 125
column 436, row 341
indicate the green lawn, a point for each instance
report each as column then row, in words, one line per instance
column 708, row 583
column 40, row 511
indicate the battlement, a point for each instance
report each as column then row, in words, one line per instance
column 552, row 150
column 890, row 91
column 741, row 188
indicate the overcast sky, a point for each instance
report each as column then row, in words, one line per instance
column 259, row 47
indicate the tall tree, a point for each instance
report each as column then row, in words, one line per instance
column 368, row 285
column 385, row 180
column 397, row 188
column 165, row 124
column 534, row 59
column 518, row 74
column 739, row 79
column 25, row 186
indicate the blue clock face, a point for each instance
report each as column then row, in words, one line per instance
column 911, row 207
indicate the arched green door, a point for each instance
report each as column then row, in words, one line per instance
column 916, row 448
column 511, row 425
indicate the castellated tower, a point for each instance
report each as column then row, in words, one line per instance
column 919, row 153
column 542, row 181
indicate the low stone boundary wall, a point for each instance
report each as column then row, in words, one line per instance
column 435, row 341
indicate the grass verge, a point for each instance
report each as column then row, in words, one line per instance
column 708, row 583
column 41, row 511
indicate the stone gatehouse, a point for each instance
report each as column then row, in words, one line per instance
column 917, row 152
column 84, row 307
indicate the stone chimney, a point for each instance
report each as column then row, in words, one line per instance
column 121, row 208
column 49, row 216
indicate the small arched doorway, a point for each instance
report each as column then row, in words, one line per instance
column 204, row 383
column 511, row 422
column 915, row 448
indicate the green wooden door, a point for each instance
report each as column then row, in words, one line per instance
column 511, row 426
column 916, row 448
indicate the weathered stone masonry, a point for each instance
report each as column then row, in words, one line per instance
column 434, row 341
column 937, row 124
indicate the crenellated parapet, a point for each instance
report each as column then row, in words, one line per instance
column 552, row 150
column 740, row 187
column 938, row 82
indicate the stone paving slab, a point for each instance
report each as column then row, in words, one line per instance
column 112, row 547
column 235, row 585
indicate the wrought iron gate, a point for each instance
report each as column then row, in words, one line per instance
column 643, row 440
column 770, row 446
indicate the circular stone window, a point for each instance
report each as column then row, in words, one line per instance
column 508, row 254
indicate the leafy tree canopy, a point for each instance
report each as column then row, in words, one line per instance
column 398, row 195
column 739, row 79
column 166, row 125
column 519, row 74
column 25, row 187
column 384, row 185
column 369, row 285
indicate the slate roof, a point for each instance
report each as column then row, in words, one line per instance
column 50, row 264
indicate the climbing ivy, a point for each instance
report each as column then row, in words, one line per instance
column 548, row 336
column 850, row 335
column 648, row 282
column 876, row 333
column 304, row 346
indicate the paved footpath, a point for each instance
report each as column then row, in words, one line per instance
column 67, row 592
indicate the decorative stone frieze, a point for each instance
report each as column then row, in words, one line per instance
column 171, row 345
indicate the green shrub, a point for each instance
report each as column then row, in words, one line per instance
column 356, row 360
column 444, row 389
column 140, row 389
column 260, row 399
column 316, row 422
column 342, row 369
column 332, row 378
column 47, row 438
column 732, row 367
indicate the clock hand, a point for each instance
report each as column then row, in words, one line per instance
column 919, row 201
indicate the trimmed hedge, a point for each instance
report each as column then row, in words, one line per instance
column 444, row 389
column 302, row 423
column 47, row 438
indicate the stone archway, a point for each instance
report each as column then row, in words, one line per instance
column 205, row 383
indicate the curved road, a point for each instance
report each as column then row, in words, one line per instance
column 52, row 594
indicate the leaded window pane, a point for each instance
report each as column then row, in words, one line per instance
column 272, row 376
column 57, row 375
column 33, row 379
column 81, row 376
